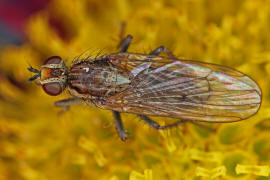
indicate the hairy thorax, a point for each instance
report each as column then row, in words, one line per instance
column 96, row 78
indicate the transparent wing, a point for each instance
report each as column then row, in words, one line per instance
column 185, row 89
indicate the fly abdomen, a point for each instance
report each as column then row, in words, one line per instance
column 97, row 79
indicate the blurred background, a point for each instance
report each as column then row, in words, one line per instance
column 36, row 142
column 13, row 19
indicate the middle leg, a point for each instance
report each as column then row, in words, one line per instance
column 124, row 43
column 119, row 125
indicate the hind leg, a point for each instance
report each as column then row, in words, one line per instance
column 155, row 125
column 161, row 49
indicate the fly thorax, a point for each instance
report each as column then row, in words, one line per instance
column 97, row 79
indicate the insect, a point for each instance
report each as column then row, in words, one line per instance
column 153, row 85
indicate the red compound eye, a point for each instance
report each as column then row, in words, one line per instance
column 53, row 60
column 53, row 88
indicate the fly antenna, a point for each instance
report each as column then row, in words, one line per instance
column 38, row 74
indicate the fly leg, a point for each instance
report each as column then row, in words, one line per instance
column 66, row 103
column 155, row 125
column 124, row 43
column 160, row 49
column 119, row 125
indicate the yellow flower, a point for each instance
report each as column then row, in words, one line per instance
column 38, row 143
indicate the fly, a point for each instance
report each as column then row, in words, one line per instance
column 153, row 85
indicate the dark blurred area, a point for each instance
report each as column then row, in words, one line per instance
column 13, row 18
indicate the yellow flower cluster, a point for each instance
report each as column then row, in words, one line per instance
column 38, row 143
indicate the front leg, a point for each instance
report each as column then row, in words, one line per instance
column 66, row 103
